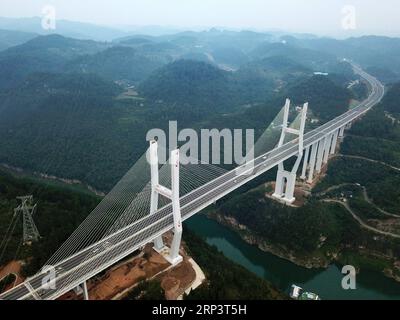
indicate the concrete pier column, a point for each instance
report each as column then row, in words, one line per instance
column 341, row 132
column 305, row 164
column 285, row 185
column 279, row 184
column 328, row 139
column 290, row 186
column 320, row 154
column 85, row 291
column 286, row 182
column 334, row 142
column 313, row 159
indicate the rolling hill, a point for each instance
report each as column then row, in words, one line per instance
column 116, row 63
column 327, row 100
column 191, row 83
column 11, row 38
column 42, row 54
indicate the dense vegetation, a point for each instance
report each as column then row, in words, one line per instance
column 226, row 280
column 41, row 54
column 379, row 55
column 315, row 60
column 196, row 84
column 377, row 136
column 326, row 99
column 116, row 63
column 60, row 211
column 298, row 230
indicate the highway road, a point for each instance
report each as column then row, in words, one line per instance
column 87, row 263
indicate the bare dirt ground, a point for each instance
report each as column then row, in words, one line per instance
column 13, row 267
column 116, row 282
column 176, row 280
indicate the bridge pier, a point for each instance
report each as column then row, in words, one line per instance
column 170, row 254
column 305, row 164
column 327, row 147
column 334, row 141
column 341, row 132
column 85, row 291
column 313, row 160
column 82, row 289
column 286, row 182
column 320, row 155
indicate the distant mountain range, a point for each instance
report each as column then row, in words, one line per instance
column 78, row 30
column 83, row 30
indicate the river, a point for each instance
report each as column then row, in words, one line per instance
column 282, row 273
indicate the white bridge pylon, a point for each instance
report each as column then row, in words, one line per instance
column 286, row 180
column 170, row 254
column 314, row 156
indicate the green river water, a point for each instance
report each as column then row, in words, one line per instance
column 282, row 273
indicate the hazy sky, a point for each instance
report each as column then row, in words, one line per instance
column 316, row 16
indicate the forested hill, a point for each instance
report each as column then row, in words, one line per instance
column 10, row 38
column 41, row 54
column 326, row 99
column 80, row 109
column 60, row 210
column 192, row 83
column 378, row 55
column 117, row 63
column 392, row 98
column 197, row 84
column 313, row 59
column 43, row 93
column 90, row 131
column 65, row 125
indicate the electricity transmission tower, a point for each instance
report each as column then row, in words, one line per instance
column 28, row 209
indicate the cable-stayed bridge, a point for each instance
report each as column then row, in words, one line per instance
column 129, row 218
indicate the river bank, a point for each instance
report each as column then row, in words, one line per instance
column 311, row 261
column 248, row 236
column 282, row 273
